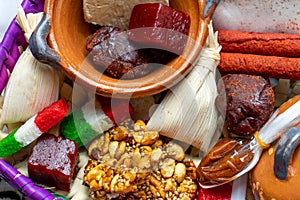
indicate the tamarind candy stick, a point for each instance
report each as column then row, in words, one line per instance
column 268, row 66
column 274, row 44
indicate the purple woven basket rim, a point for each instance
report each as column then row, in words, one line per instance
column 13, row 38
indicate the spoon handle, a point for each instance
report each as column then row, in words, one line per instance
column 284, row 152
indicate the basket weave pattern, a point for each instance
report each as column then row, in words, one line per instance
column 13, row 38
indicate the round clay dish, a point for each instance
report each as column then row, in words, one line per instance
column 68, row 34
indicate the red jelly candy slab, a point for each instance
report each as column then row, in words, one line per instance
column 222, row 192
column 159, row 25
column 53, row 161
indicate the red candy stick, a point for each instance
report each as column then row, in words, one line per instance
column 50, row 116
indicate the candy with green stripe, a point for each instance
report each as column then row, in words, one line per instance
column 33, row 128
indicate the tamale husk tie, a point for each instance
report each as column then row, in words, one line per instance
column 188, row 111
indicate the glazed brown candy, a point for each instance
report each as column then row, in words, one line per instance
column 226, row 159
column 113, row 53
column 246, row 101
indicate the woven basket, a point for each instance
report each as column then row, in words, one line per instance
column 9, row 54
column 13, row 39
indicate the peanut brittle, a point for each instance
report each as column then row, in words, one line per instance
column 131, row 162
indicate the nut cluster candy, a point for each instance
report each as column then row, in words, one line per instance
column 131, row 162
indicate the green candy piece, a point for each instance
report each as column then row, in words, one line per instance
column 9, row 145
column 74, row 127
column 59, row 197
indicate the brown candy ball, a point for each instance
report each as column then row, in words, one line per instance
column 246, row 101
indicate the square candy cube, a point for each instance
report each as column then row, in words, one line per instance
column 53, row 162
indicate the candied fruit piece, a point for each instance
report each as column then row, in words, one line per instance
column 159, row 25
column 113, row 53
column 53, row 162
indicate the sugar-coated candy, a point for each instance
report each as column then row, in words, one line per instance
column 53, row 161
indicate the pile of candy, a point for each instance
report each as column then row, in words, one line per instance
column 62, row 142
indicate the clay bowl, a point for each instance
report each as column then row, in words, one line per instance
column 60, row 40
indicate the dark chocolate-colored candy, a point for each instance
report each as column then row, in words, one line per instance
column 53, row 161
column 247, row 102
column 114, row 54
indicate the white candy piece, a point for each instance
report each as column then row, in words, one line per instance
column 258, row 15
column 94, row 115
column 112, row 12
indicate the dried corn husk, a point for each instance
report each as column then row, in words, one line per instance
column 32, row 85
column 188, row 113
column 1, row 101
column 295, row 88
column 2, row 134
column 79, row 191
column 282, row 90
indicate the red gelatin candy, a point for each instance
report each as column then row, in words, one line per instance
column 53, row 162
column 159, row 25
column 222, row 192
column 117, row 110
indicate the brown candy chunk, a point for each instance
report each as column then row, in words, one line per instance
column 247, row 102
column 112, row 51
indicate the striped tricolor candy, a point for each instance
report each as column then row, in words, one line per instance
column 94, row 118
column 33, row 128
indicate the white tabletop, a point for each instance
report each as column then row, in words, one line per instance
column 8, row 10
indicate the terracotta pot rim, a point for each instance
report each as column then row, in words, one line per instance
column 151, row 84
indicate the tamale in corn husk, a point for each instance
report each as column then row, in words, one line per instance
column 188, row 111
column 32, row 85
